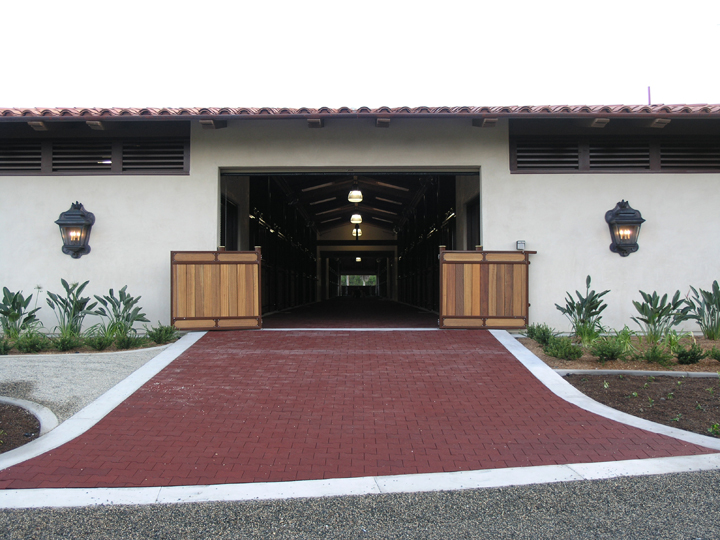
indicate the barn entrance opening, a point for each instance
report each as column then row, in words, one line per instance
column 329, row 258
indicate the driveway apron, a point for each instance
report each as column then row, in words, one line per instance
column 259, row 406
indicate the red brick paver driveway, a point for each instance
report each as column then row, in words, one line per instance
column 276, row 406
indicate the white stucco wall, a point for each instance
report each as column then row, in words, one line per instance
column 140, row 219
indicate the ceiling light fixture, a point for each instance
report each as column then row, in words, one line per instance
column 355, row 196
column 356, row 218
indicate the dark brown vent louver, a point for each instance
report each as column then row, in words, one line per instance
column 532, row 155
column 81, row 156
column 20, row 156
column 94, row 156
column 153, row 155
column 690, row 155
column 620, row 155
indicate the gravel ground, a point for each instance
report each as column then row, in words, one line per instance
column 670, row 506
column 65, row 383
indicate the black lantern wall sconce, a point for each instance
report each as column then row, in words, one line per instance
column 75, row 226
column 624, row 223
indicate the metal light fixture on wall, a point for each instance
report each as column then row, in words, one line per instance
column 624, row 222
column 75, row 226
column 357, row 232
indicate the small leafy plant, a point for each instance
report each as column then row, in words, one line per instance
column 97, row 339
column 714, row 353
column 658, row 316
column 67, row 342
column 541, row 333
column 608, row 348
column 704, row 307
column 656, row 354
column 5, row 346
column 14, row 315
column 162, row 334
column 32, row 341
column 673, row 340
column 563, row 348
column 691, row 355
column 121, row 313
column 585, row 313
column 714, row 430
column 70, row 310
column 129, row 341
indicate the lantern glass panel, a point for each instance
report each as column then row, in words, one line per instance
column 626, row 234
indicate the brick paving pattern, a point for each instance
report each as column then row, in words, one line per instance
column 260, row 406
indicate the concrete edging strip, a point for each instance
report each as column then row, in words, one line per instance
column 48, row 420
column 91, row 414
column 637, row 373
column 563, row 389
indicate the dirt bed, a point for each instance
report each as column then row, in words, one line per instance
column 17, row 427
column 689, row 403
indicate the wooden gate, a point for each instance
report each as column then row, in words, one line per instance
column 215, row 290
column 484, row 289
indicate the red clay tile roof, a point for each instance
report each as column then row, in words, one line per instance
column 702, row 110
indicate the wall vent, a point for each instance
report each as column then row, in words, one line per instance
column 167, row 155
column 619, row 155
column 690, row 155
column 533, row 155
column 20, row 156
column 83, row 156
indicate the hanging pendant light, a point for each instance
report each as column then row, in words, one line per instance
column 355, row 196
column 356, row 219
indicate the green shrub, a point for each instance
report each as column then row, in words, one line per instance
column 161, row 334
column 563, row 348
column 691, row 355
column 704, row 307
column 5, row 346
column 14, row 317
column 129, row 341
column 657, row 316
column 67, row 342
column 656, row 354
column 541, row 333
column 98, row 342
column 584, row 314
column 714, row 353
column 608, row 348
column 32, row 341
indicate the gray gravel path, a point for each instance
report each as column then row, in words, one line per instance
column 678, row 506
column 65, row 383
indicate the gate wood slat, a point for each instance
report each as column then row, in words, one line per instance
column 484, row 289
column 215, row 290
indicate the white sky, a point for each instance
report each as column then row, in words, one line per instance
column 129, row 53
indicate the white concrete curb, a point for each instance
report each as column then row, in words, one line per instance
column 48, row 420
column 90, row 415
